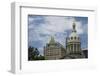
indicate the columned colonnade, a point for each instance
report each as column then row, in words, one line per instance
column 73, row 47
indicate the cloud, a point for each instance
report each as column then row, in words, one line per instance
column 60, row 24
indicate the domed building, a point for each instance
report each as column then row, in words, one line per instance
column 54, row 50
column 73, row 45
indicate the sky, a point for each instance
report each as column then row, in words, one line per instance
column 42, row 27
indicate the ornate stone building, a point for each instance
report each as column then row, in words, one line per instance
column 73, row 45
column 54, row 50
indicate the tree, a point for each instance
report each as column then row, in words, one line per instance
column 35, row 52
column 32, row 53
column 41, row 57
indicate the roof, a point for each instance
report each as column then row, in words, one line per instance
column 73, row 34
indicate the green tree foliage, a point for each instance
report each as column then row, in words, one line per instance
column 33, row 54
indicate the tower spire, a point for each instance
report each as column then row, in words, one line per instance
column 74, row 26
column 52, row 40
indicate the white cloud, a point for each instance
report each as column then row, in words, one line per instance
column 79, row 27
column 60, row 24
column 52, row 26
column 56, row 24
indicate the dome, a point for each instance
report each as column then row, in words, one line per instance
column 74, row 34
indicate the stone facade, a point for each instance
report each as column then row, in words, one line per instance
column 54, row 50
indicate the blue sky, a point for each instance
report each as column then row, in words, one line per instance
column 41, row 28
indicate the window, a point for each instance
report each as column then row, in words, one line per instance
column 71, row 38
column 74, row 37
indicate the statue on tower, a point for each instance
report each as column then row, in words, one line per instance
column 74, row 26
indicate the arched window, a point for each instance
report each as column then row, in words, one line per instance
column 74, row 37
column 71, row 38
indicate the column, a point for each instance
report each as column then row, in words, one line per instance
column 73, row 48
column 76, row 47
column 70, row 47
column 79, row 47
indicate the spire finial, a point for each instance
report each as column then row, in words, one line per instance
column 74, row 25
column 52, row 40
